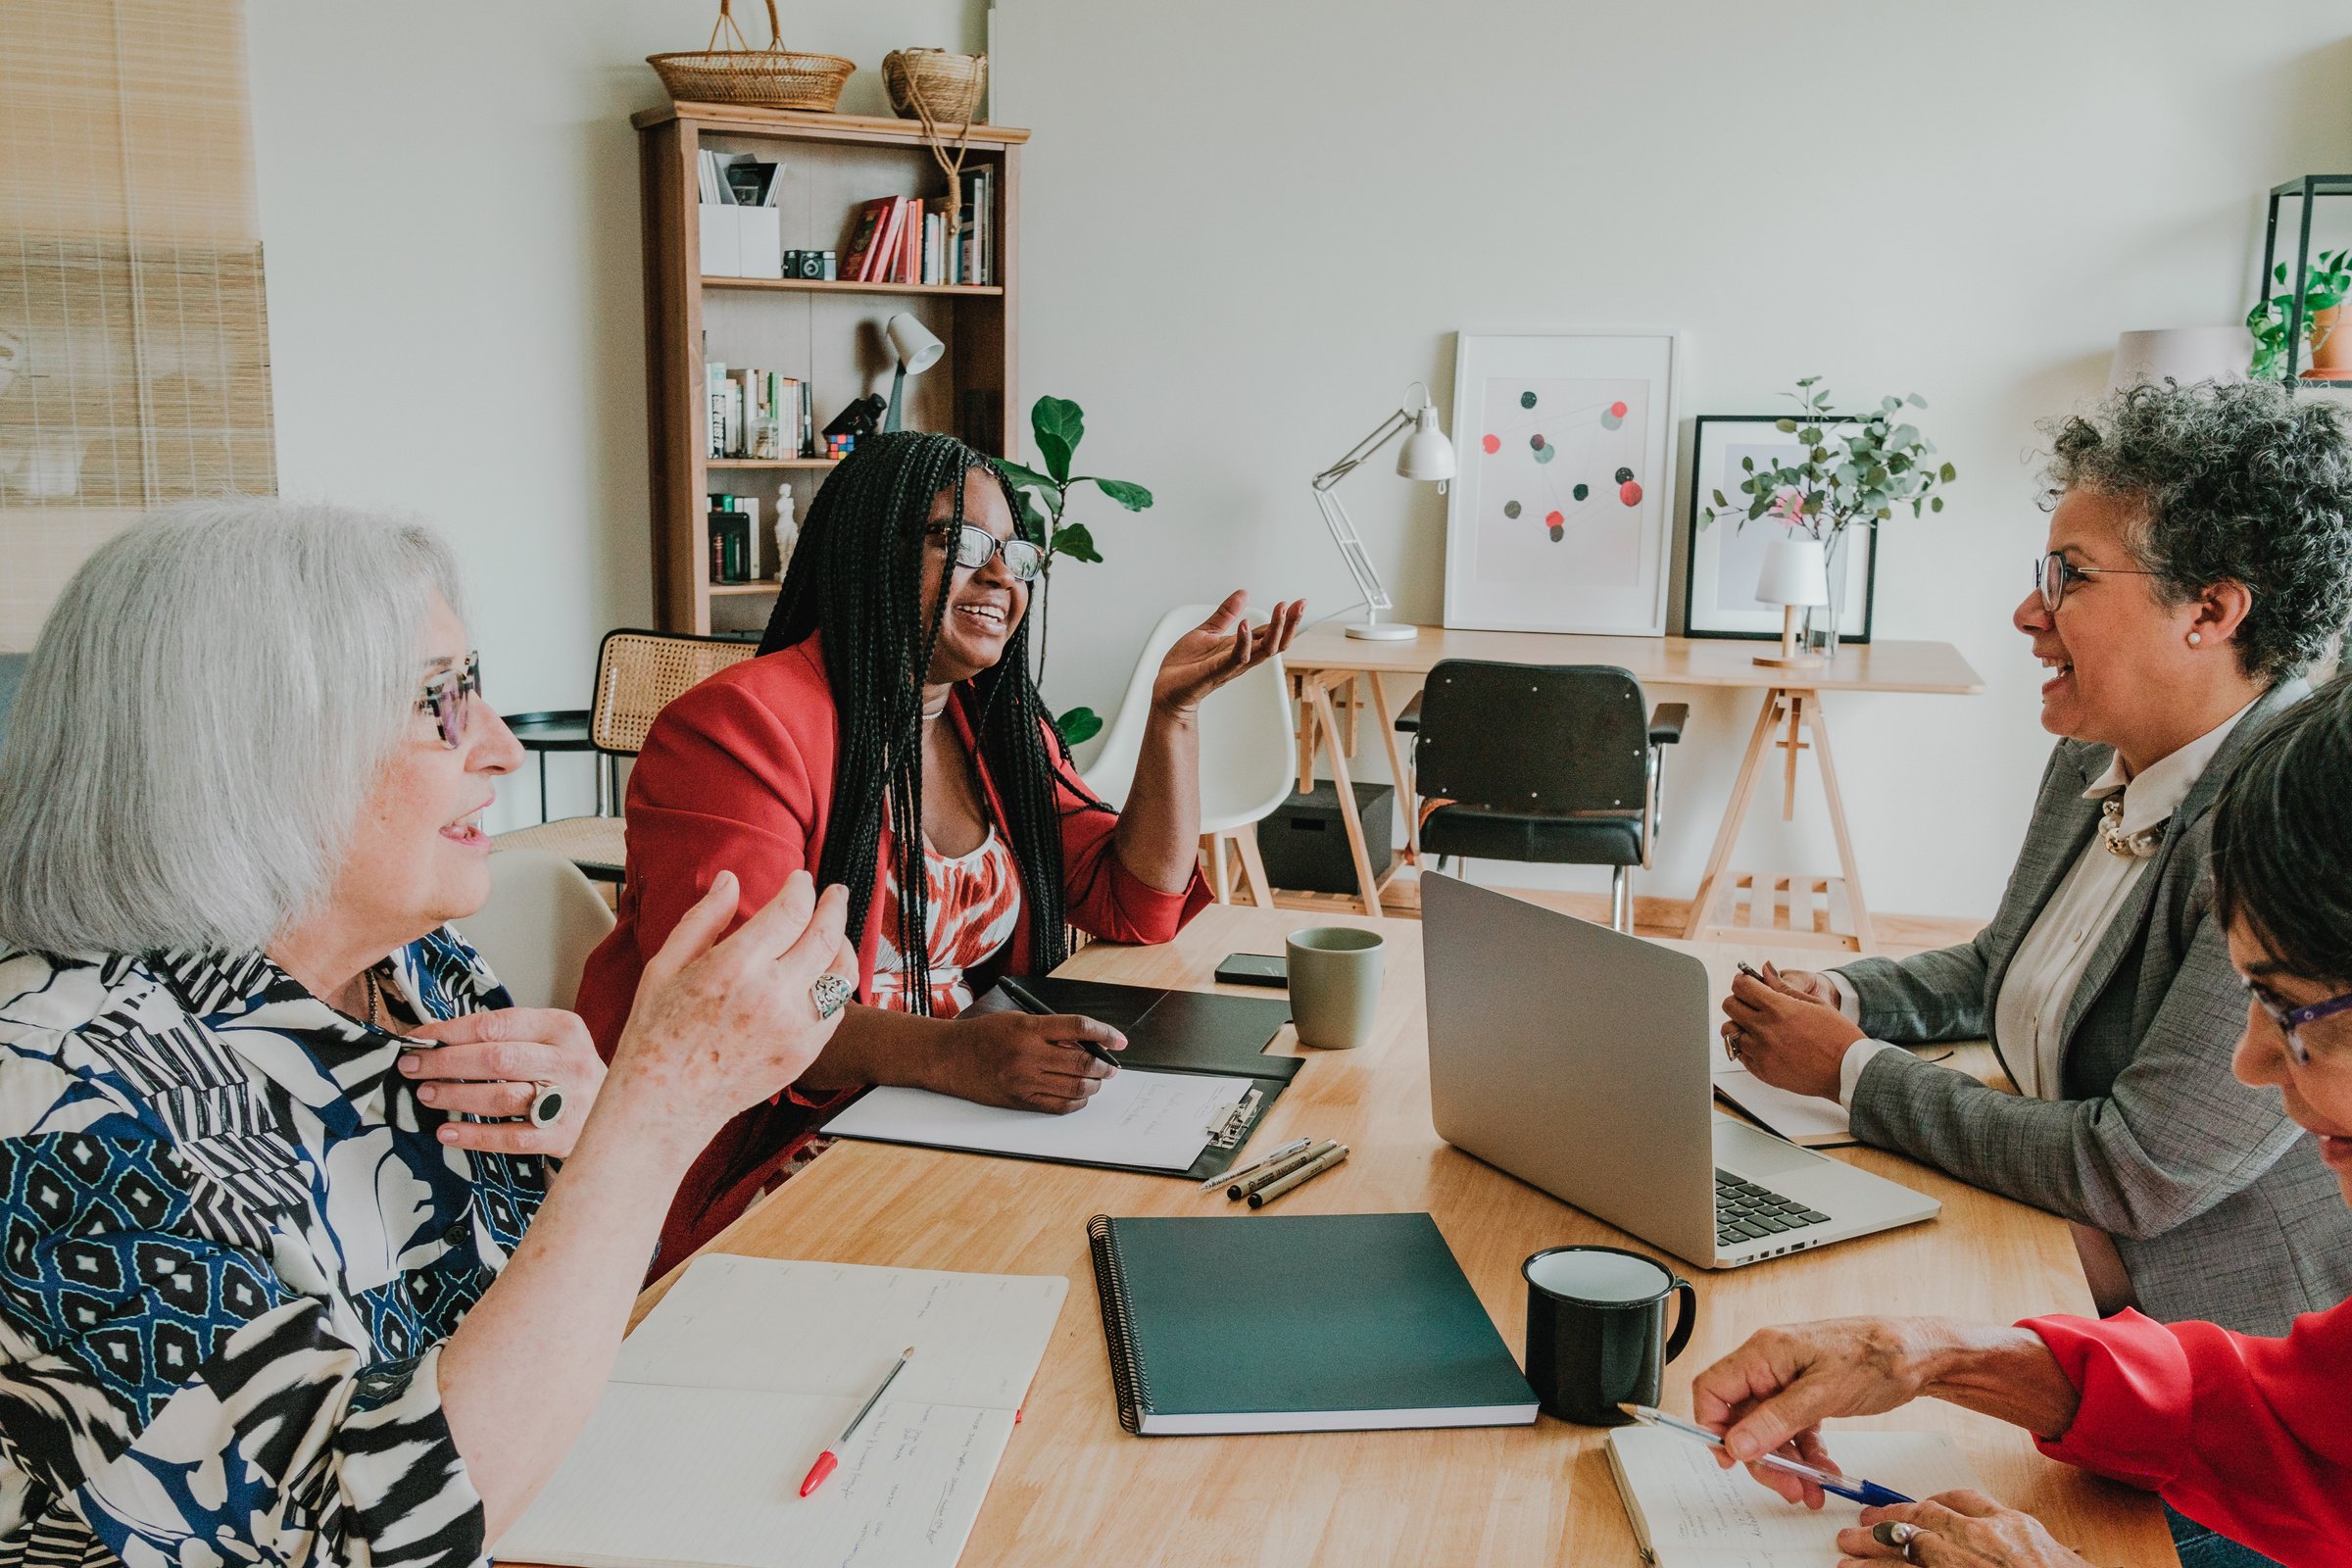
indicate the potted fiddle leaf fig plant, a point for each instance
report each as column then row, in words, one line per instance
column 1847, row 473
column 2326, row 283
column 1060, row 425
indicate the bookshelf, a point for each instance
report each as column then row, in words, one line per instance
column 828, row 333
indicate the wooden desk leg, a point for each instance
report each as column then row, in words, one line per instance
column 1405, row 785
column 1365, row 878
column 1865, row 940
column 1220, row 879
column 1299, row 686
column 1727, row 837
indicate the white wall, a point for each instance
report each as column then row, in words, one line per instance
column 1249, row 224
column 1246, row 226
column 450, row 223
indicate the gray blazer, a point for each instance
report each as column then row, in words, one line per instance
column 2218, row 1203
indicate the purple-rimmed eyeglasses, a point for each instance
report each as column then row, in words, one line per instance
column 2053, row 574
column 449, row 698
column 2291, row 1020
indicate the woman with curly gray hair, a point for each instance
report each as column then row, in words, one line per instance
column 2199, row 559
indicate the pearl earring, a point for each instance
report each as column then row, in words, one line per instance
column 2195, row 638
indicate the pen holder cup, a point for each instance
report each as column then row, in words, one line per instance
column 1335, row 975
column 1597, row 1330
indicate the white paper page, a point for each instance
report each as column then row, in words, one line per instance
column 1793, row 1116
column 1154, row 1120
column 836, row 1328
column 713, row 1477
column 1686, row 1502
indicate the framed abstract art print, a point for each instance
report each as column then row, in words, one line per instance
column 1559, row 519
column 1724, row 558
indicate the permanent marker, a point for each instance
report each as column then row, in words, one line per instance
column 1869, row 1494
column 1028, row 1003
column 1272, row 1157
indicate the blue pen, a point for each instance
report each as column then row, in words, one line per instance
column 1869, row 1494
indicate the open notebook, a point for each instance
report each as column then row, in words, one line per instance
column 747, row 1370
column 1688, row 1514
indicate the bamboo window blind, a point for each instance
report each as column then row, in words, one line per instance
column 134, row 353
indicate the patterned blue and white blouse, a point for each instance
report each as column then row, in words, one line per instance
column 232, row 1247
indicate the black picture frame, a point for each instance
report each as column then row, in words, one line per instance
column 1700, row 492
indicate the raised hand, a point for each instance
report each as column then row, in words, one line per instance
column 1219, row 649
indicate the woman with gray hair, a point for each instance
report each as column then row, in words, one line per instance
column 288, row 1276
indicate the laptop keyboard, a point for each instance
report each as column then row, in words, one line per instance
column 1745, row 1211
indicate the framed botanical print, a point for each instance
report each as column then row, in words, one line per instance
column 1559, row 519
column 1722, row 559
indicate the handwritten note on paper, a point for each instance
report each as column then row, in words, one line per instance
column 1138, row 1117
column 1694, row 1515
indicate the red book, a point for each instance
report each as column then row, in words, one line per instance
column 868, row 243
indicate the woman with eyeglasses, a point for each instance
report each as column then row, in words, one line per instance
column 288, row 1272
column 2199, row 557
column 890, row 738
column 2246, row 1436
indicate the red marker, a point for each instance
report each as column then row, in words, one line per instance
column 828, row 1461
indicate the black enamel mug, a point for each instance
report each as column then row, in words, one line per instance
column 1597, row 1330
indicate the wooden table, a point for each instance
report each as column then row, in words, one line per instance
column 1075, row 1489
column 1325, row 660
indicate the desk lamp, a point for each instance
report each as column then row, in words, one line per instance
column 916, row 350
column 1427, row 455
column 1795, row 573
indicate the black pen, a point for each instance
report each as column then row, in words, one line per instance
column 1028, row 1003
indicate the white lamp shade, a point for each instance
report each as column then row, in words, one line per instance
column 918, row 350
column 2186, row 354
column 1796, row 571
column 1427, row 454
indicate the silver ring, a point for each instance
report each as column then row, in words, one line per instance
column 830, row 995
column 547, row 1103
column 1898, row 1533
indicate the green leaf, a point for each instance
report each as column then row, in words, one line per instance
column 1916, row 401
column 1079, row 725
column 1935, row 503
column 1071, row 539
column 1719, row 498
column 1947, row 473
column 1034, row 522
column 1904, row 436
column 1022, row 477
column 1134, row 497
column 1785, row 426
column 1748, row 463
column 1891, row 404
column 1059, row 425
column 1810, row 435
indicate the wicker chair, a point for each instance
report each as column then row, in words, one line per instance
column 637, row 673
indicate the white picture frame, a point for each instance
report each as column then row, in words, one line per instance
column 1724, row 558
column 1560, row 516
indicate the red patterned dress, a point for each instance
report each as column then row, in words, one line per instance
column 972, row 905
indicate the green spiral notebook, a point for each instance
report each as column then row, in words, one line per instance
column 1298, row 1323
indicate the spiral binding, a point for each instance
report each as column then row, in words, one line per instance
column 1129, row 1386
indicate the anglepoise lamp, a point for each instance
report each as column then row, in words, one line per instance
column 916, row 350
column 1426, row 455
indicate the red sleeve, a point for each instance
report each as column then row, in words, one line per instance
column 2246, row 1436
column 1101, row 894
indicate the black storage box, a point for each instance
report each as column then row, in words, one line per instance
column 1305, row 843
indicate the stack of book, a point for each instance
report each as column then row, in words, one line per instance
column 735, row 553
column 906, row 239
column 758, row 414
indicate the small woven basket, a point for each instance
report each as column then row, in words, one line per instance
column 935, row 87
column 774, row 78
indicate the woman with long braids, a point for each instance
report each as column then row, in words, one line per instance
column 893, row 688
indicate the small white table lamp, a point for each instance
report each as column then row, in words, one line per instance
column 1795, row 573
column 1427, row 455
column 2186, row 354
column 916, row 350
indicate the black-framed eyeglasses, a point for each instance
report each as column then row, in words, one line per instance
column 2292, row 1021
column 449, row 698
column 2054, row 574
column 973, row 546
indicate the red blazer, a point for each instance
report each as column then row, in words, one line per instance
column 2246, row 1436
column 737, row 774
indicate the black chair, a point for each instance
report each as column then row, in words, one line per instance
column 1559, row 764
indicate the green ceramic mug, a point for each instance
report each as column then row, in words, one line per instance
column 1335, row 975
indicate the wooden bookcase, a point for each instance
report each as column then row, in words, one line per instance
column 827, row 333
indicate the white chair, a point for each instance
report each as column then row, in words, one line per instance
column 543, row 919
column 1247, row 748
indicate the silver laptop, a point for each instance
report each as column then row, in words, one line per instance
column 1578, row 1058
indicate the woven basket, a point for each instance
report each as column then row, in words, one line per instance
column 935, row 87
column 774, row 78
